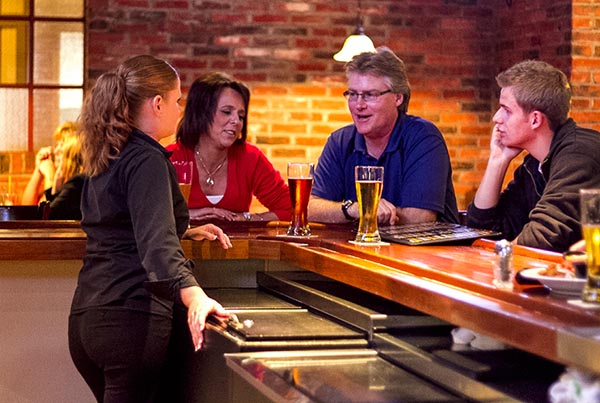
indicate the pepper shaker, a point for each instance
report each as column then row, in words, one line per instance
column 503, row 268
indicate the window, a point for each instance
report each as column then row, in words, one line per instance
column 41, row 69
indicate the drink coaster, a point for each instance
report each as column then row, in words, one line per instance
column 370, row 243
column 583, row 304
column 296, row 236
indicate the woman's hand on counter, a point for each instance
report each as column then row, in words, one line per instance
column 215, row 213
column 199, row 307
column 210, row 232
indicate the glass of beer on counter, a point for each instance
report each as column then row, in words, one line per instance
column 590, row 225
column 300, row 180
column 185, row 170
column 369, row 185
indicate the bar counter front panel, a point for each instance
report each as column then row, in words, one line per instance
column 452, row 283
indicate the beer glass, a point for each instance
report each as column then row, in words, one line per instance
column 7, row 199
column 185, row 170
column 300, row 180
column 590, row 225
column 369, row 185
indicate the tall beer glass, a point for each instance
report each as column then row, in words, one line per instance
column 369, row 185
column 590, row 224
column 300, row 180
column 185, row 170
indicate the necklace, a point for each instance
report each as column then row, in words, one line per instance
column 209, row 175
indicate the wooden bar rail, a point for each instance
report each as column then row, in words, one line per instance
column 532, row 323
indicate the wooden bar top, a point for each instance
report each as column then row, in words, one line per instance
column 453, row 283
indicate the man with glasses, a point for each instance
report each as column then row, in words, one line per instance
column 417, row 173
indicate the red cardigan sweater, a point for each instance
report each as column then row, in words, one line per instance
column 249, row 173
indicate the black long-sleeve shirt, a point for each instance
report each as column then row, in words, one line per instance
column 65, row 204
column 134, row 216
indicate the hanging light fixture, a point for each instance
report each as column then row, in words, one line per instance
column 355, row 43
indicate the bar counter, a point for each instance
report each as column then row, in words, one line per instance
column 453, row 283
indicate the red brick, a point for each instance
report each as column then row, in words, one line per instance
column 310, row 141
column 581, row 77
column 580, row 103
column 458, row 118
column 269, row 90
column 272, row 140
column 268, row 18
column 582, row 22
column 288, row 153
column 308, row 91
column 306, row 116
column 133, row 3
column 289, row 128
column 229, row 18
column 172, row 4
column 473, row 153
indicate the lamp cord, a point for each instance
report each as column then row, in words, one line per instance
column 359, row 15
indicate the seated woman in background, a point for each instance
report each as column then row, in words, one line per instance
column 212, row 134
column 42, row 177
column 65, row 194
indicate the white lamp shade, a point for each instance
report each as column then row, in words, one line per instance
column 354, row 45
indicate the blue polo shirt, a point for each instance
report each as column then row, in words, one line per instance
column 417, row 171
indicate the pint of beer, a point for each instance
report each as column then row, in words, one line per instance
column 300, row 180
column 369, row 185
column 185, row 170
column 185, row 188
column 590, row 223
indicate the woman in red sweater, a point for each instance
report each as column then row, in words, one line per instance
column 228, row 171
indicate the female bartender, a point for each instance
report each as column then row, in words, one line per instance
column 134, row 215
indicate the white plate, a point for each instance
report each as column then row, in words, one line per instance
column 561, row 285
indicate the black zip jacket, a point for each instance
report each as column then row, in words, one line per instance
column 542, row 208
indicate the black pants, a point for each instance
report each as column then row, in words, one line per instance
column 120, row 353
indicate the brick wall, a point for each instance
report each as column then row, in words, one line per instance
column 585, row 54
column 283, row 49
column 533, row 29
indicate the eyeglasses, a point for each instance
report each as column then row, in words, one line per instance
column 367, row 96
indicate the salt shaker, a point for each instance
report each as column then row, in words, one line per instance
column 503, row 270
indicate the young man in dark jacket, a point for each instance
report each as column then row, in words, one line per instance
column 540, row 206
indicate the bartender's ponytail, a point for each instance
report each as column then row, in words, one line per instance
column 110, row 111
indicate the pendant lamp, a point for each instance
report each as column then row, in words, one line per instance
column 355, row 43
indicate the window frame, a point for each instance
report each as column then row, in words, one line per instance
column 30, row 85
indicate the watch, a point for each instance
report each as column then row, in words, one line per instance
column 247, row 215
column 345, row 206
